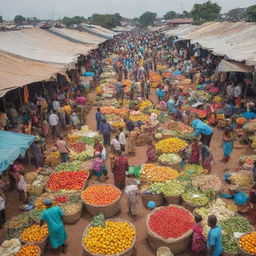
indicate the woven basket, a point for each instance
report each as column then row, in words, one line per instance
column 176, row 245
column 41, row 244
column 157, row 198
column 127, row 252
column 173, row 199
column 230, row 254
column 108, row 210
column 242, row 252
column 39, row 253
column 190, row 207
column 70, row 219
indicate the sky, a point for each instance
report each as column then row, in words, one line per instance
column 55, row 9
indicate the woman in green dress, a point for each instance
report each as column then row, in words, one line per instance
column 53, row 217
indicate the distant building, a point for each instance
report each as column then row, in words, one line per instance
column 173, row 23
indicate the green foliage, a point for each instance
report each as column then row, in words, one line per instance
column 106, row 20
column 18, row 19
column 1, row 19
column 236, row 14
column 147, row 19
column 251, row 13
column 205, row 12
column 170, row 15
column 68, row 21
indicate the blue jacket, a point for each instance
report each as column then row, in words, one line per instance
column 105, row 129
column 201, row 128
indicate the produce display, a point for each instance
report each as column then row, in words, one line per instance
column 113, row 110
column 10, row 247
column 112, row 239
column 242, row 178
column 83, row 156
column 144, row 104
column 39, row 202
column 229, row 227
column 156, row 188
column 28, row 250
column 37, row 187
column 35, row 214
column 138, row 116
column 248, row 243
column 90, row 138
column 35, row 233
column 78, row 147
column 52, row 158
column 193, row 169
column 73, row 180
column 204, row 182
column 69, row 166
column 247, row 161
column 170, row 159
column 173, row 188
column 195, row 198
column 101, row 194
column 170, row 222
column 70, row 209
column 156, row 173
column 171, row 145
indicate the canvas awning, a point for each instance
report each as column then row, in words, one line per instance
column 233, row 66
column 12, row 145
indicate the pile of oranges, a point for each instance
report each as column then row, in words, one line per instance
column 171, row 145
column 114, row 238
column 34, row 233
column 28, row 250
column 248, row 243
column 101, row 194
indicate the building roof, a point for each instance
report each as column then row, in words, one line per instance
column 180, row 21
column 235, row 40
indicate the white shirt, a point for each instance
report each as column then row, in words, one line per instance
column 116, row 144
column 237, row 91
column 122, row 139
column 56, row 105
column 53, row 119
column 21, row 185
column 2, row 203
column 74, row 119
column 104, row 154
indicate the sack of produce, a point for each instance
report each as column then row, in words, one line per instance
column 30, row 177
column 242, row 178
column 152, row 193
column 72, row 212
column 69, row 166
column 10, row 247
column 172, row 191
column 170, row 159
column 171, row 145
column 170, row 226
column 112, row 231
column 204, row 182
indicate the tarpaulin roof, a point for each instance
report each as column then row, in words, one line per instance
column 233, row 66
column 17, row 72
column 12, row 145
column 235, row 40
column 40, row 45
column 180, row 31
column 99, row 31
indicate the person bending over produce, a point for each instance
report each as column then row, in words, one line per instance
column 214, row 239
column 203, row 129
column 53, row 217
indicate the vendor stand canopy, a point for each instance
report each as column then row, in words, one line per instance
column 235, row 40
column 233, row 66
column 12, row 145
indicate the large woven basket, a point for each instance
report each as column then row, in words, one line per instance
column 173, row 199
column 108, row 210
column 176, row 245
column 190, row 207
column 157, row 198
column 128, row 252
column 40, row 244
column 70, row 219
column 242, row 252
column 39, row 253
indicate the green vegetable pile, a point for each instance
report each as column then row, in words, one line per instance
column 84, row 156
column 35, row 215
column 173, row 188
column 163, row 117
column 156, row 188
column 69, row 166
column 99, row 220
column 229, row 226
column 195, row 197
column 170, row 159
column 90, row 140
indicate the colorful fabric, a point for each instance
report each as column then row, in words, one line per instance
column 201, row 128
column 227, row 148
column 198, row 243
column 195, row 153
column 151, row 153
column 120, row 166
column 215, row 239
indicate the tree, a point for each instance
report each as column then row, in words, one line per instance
column 251, row 13
column 1, row 19
column 68, row 21
column 147, row 19
column 186, row 14
column 106, row 20
column 236, row 14
column 18, row 19
column 170, row 15
column 205, row 12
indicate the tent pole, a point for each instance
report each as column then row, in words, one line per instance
column 20, row 97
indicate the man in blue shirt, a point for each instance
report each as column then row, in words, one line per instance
column 203, row 129
column 214, row 239
column 106, row 131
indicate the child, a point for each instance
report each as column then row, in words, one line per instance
column 22, row 187
column 132, row 192
column 198, row 243
column 98, row 166
column 2, row 209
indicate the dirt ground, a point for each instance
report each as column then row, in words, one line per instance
column 75, row 231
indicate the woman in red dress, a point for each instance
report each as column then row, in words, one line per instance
column 120, row 166
column 198, row 242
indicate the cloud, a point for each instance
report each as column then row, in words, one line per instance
column 51, row 9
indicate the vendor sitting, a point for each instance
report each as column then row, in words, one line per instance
column 203, row 129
